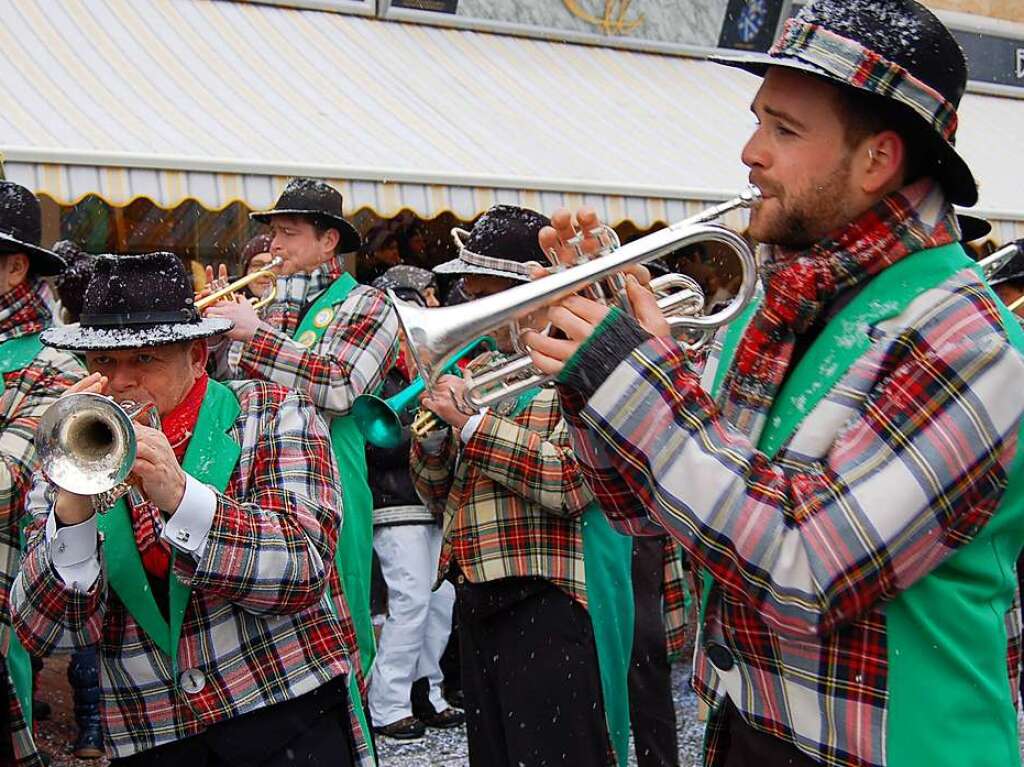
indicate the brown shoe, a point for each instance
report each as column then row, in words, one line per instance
column 88, row 752
column 450, row 717
column 409, row 728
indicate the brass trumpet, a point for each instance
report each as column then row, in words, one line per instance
column 227, row 292
column 426, row 421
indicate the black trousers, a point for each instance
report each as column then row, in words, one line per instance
column 747, row 746
column 652, row 713
column 6, row 744
column 312, row 730
column 529, row 676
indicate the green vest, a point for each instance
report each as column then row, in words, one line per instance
column 354, row 555
column 607, row 560
column 17, row 354
column 211, row 457
column 950, row 702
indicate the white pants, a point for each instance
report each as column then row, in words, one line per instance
column 418, row 623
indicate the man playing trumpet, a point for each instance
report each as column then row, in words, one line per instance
column 210, row 587
column 329, row 338
column 536, row 573
column 846, row 470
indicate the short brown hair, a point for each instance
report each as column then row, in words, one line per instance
column 866, row 114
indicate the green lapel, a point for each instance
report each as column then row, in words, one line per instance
column 211, row 458
column 320, row 315
column 731, row 342
column 845, row 337
column 19, row 352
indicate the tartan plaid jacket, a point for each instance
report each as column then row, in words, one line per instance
column 677, row 584
column 266, row 621
column 27, row 394
column 351, row 358
column 802, row 570
column 512, row 498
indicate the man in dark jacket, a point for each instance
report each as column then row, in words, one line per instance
column 407, row 540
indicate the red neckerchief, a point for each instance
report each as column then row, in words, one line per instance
column 799, row 286
column 177, row 426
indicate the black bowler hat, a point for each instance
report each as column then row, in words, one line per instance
column 133, row 302
column 896, row 49
column 972, row 227
column 410, row 283
column 309, row 197
column 502, row 243
column 21, row 229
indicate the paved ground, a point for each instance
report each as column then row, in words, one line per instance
column 448, row 749
column 439, row 749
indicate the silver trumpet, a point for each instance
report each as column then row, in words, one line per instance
column 435, row 335
column 993, row 263
column 86, row 445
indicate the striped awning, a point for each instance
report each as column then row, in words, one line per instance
column 221, row 102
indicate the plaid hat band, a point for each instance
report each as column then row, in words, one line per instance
column 490, row 262
column 499, row 264
column 866, row 70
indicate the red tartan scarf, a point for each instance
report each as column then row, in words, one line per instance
column 23, row 311
column 147, row 522
column 800, row 285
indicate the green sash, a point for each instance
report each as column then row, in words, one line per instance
column 607, row 559
column 17, row 354
column 354, row 555
column 210, row 458
column 947, row 644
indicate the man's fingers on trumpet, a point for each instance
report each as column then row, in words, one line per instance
column 162, row 478
column 549, row 354
column 645, row 308
column 94, row 383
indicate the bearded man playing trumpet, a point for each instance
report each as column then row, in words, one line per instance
column 846, row 469
column 538, row 573
column 210, row 586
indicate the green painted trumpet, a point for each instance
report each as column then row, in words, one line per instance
column 380, row 420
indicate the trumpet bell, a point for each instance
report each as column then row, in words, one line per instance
column 85, row 443
column 377, row 421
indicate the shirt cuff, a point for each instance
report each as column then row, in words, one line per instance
column 612, row 341
column 189, row 527
column 470, row 427
column 74, row 551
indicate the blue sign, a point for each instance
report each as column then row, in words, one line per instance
column 750, row 24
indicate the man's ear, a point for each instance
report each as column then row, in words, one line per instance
column 884, row 165
column 330, row 240
column 198, row 355
column 16, row 265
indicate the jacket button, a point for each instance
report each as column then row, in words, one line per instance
column 192, row 680
column 720, row 656
column 460, row 579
